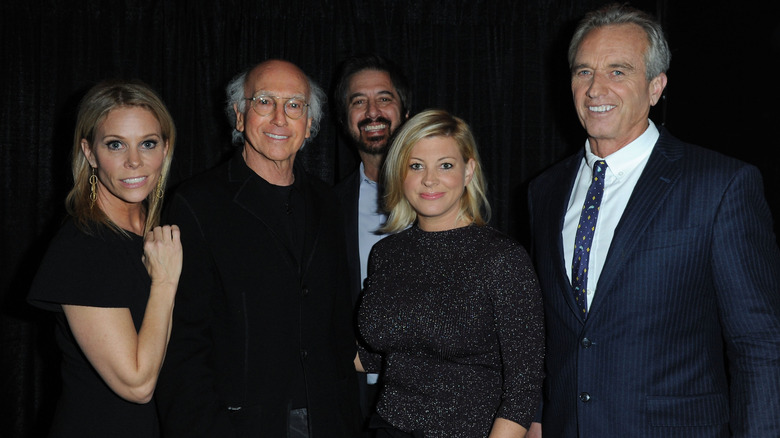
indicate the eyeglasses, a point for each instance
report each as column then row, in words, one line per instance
column 265, row 104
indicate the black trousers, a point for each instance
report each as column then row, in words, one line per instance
column 386, row 430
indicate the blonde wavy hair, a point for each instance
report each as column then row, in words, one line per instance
column 474, row 205
column 93, row 109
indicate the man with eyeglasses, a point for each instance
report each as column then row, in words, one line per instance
column 372, row 99
column 262, row 341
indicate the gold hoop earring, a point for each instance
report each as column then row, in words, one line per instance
column 159, row 192
column 93, row 188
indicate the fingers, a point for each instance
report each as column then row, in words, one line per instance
column 164, row 233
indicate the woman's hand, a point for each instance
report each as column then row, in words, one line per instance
column 163, row 254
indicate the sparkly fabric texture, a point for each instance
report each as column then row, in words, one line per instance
column 457, row 317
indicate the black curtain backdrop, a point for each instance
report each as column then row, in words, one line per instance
column 500, row 65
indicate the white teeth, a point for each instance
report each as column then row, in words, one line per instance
column 277, row 137
column 375, row 127
column 601, row 108
column 134, row 180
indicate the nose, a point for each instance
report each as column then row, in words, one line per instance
column 279, row 117
column 372, row 111
column 430, row 178
column 133, row 158
column 597, row 86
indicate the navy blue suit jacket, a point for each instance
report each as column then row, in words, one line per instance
column 682, row 338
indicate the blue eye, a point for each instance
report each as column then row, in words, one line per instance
column 415, row 166
column 114, row 145
column 149, row 144
column 446, row 166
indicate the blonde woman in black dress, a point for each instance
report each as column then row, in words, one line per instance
column 111, row 272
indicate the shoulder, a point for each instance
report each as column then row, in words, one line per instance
column 76, row 264
column 493, row 244
column 208, row 182
column 711, row 170
column 552, row 176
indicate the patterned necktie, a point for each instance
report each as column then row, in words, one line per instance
column 584, row 239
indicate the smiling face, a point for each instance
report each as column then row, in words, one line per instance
column 373, row 110
column 611, row 93
column 128, row 154
column 274, row 139
column 435, row 182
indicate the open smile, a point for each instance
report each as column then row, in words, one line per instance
column 374, row 128
column 601, row 108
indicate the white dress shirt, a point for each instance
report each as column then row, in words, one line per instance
column 623, row 170
column 370, row 219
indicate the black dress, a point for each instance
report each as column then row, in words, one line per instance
column 104, row 270
column 457, row 317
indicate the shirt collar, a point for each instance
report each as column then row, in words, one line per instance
column 363, row 177
column 629, row 156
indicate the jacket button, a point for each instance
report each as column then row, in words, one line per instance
column 586, row 343
column 304, row 353
column 305, row 292
column 584, row 397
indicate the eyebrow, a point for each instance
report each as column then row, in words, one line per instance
column 273, row 94
column 624, row 66
column 121, row 137
column 361, row 94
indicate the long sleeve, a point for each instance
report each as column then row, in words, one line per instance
column 519, row 321
column 186, row 397
column 746, row 267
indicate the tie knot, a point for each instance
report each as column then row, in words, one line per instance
column 599, row 166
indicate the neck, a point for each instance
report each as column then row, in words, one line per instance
column 429, row 224
column 372, row 164
column 278, row 173
column 130, row 217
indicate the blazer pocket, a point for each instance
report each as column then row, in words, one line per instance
column 667, row 238
column 246, row 420
column 694, row 410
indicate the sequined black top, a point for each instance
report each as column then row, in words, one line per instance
column 457, row 318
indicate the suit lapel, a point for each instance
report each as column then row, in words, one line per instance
column 314, row 208
column 654, row 185
column 558, row 202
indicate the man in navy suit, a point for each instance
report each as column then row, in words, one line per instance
column 676, row 332
column 372, row 100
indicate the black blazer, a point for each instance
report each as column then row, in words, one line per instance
column 348, row 192
column 682, row 338
column 247, row 315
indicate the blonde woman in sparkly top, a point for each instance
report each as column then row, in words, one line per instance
column 451, row 313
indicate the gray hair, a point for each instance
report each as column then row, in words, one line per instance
column 235, row 96
column 657, row 57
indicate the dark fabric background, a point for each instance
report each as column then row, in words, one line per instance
column 500, row 65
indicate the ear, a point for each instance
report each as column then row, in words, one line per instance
column 470, row 166
column 406, row 117
column 308, row 127
column 239, row 118
column 165, row 150
column 657, row 85
column 85, row 149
